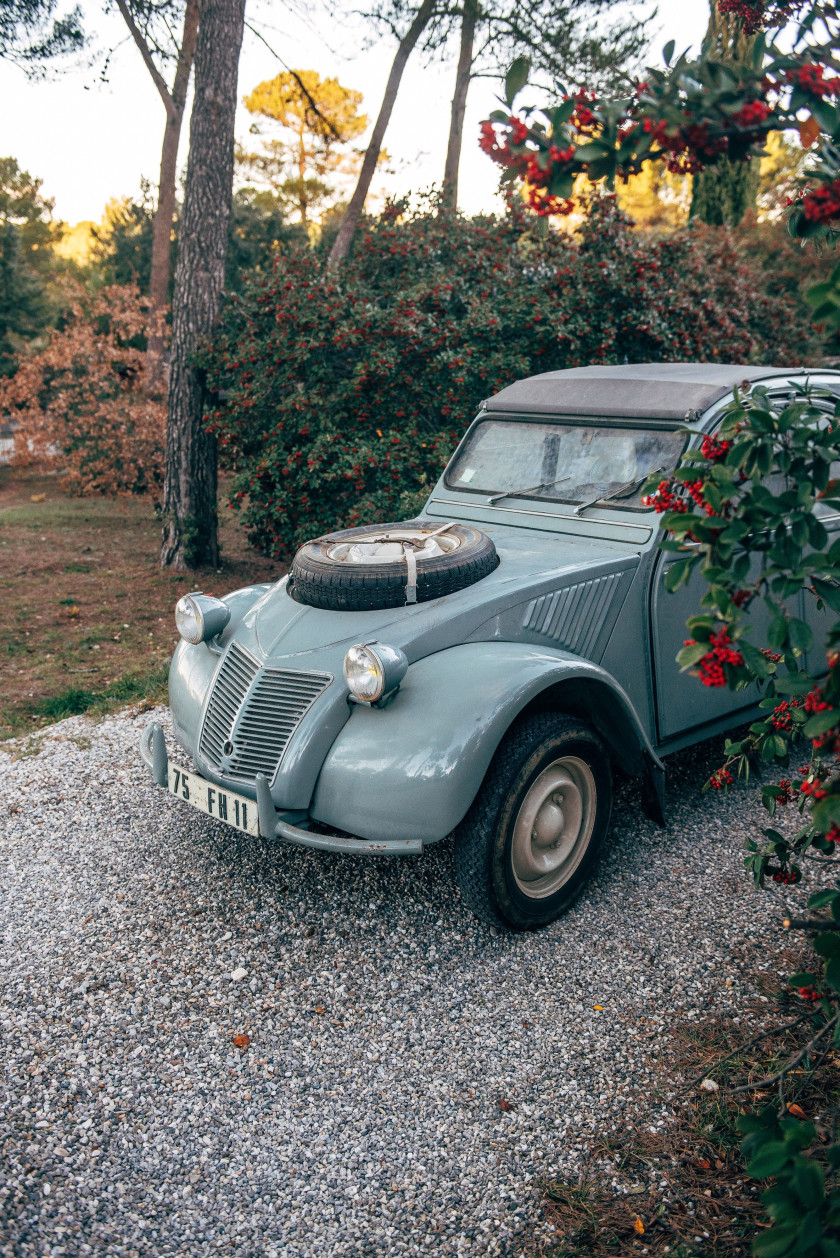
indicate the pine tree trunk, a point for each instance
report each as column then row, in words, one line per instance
column 347, row 230
column 165, row 212
column 173, row 103
column 190, row 537
column 449, row 195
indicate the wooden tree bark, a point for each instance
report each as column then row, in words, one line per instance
column 190, row 537
column 173, row 103
column 449, row 196
column 159, row 281
column 347, row 230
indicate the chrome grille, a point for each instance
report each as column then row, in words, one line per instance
column 257, row 710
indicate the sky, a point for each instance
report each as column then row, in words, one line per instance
column 90, row 141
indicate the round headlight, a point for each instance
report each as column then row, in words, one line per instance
column 373, row 670
column 199, row 617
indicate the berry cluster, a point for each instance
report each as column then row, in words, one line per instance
column 664, row 498
column 715, row 450
column 755, row 15
column 752, row 115
column 784, row 794
column 811, row 78
column 809, row 993
column 813, row 789
column 720, row 655
column 782, row 718
column 823, row 204
column 720, row 780
column 788, row 876
column 537, row 181
column 691, row 147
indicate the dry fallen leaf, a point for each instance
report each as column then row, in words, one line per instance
column 38, row 498
column 73, row 611
column 796, row 1110
column 505, row 1105
column 701, row 1164
column 639, row 1227
column 809, row 131
column 242, row 1041
column 320, row 1009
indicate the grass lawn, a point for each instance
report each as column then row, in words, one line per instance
column 86, row 610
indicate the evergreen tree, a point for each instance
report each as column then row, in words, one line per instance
column 722, row 194
column 27, row 232
column 24, row 309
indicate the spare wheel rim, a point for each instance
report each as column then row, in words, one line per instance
column 388, row 547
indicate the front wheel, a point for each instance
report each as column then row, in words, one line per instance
column 527, row 846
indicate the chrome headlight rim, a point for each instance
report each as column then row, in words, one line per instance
column 199, row 617
column 386, row 666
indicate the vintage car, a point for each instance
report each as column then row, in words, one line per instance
column 479, row 671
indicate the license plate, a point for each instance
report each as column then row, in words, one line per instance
column 227, row 806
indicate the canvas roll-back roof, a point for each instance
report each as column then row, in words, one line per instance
column 648, row 390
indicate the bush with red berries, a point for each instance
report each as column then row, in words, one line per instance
column 753, row 497
column 689, row 114
column 341, row 396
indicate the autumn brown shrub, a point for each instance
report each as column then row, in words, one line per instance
column 78, row 403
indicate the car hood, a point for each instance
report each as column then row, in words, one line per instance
column 532, row 566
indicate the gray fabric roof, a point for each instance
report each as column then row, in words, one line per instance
column 655, row 390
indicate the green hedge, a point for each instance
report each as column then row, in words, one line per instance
column 345, row 392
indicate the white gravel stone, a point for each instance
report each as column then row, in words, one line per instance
column 385, row 1024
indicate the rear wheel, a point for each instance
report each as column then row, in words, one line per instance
column 528, row 845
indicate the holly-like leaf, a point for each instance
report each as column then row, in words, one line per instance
column 516, row 78
column 820, row 723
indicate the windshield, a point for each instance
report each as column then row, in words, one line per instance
column 563, row 462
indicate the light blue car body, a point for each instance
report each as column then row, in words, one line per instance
column 574, row 619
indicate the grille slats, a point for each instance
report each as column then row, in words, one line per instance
column 257, row 710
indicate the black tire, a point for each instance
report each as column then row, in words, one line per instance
column 321, row 581
column 535, row 751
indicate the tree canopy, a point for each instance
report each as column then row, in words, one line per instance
column 32, row 34
column 318, row 121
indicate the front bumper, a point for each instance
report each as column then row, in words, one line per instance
column 272, row 826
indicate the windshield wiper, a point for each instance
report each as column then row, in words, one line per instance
column 619, row 492
column 531, row 489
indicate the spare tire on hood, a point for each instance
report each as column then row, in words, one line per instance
column 389, row 565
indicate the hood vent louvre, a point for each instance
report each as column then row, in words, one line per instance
column 579, row 618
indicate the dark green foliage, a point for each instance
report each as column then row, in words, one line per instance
column 31, row 34
column 24, row 308
column 26, row 233
column 123, row 252
column 258, row 230
column 341, row 394
column 123, row 249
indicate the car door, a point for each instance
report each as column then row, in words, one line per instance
column 683, row 703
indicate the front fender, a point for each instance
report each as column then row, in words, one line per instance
column 412, row 769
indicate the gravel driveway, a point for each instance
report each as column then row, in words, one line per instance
column 386, row 1024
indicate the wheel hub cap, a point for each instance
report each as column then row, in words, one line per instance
column 553, row 827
